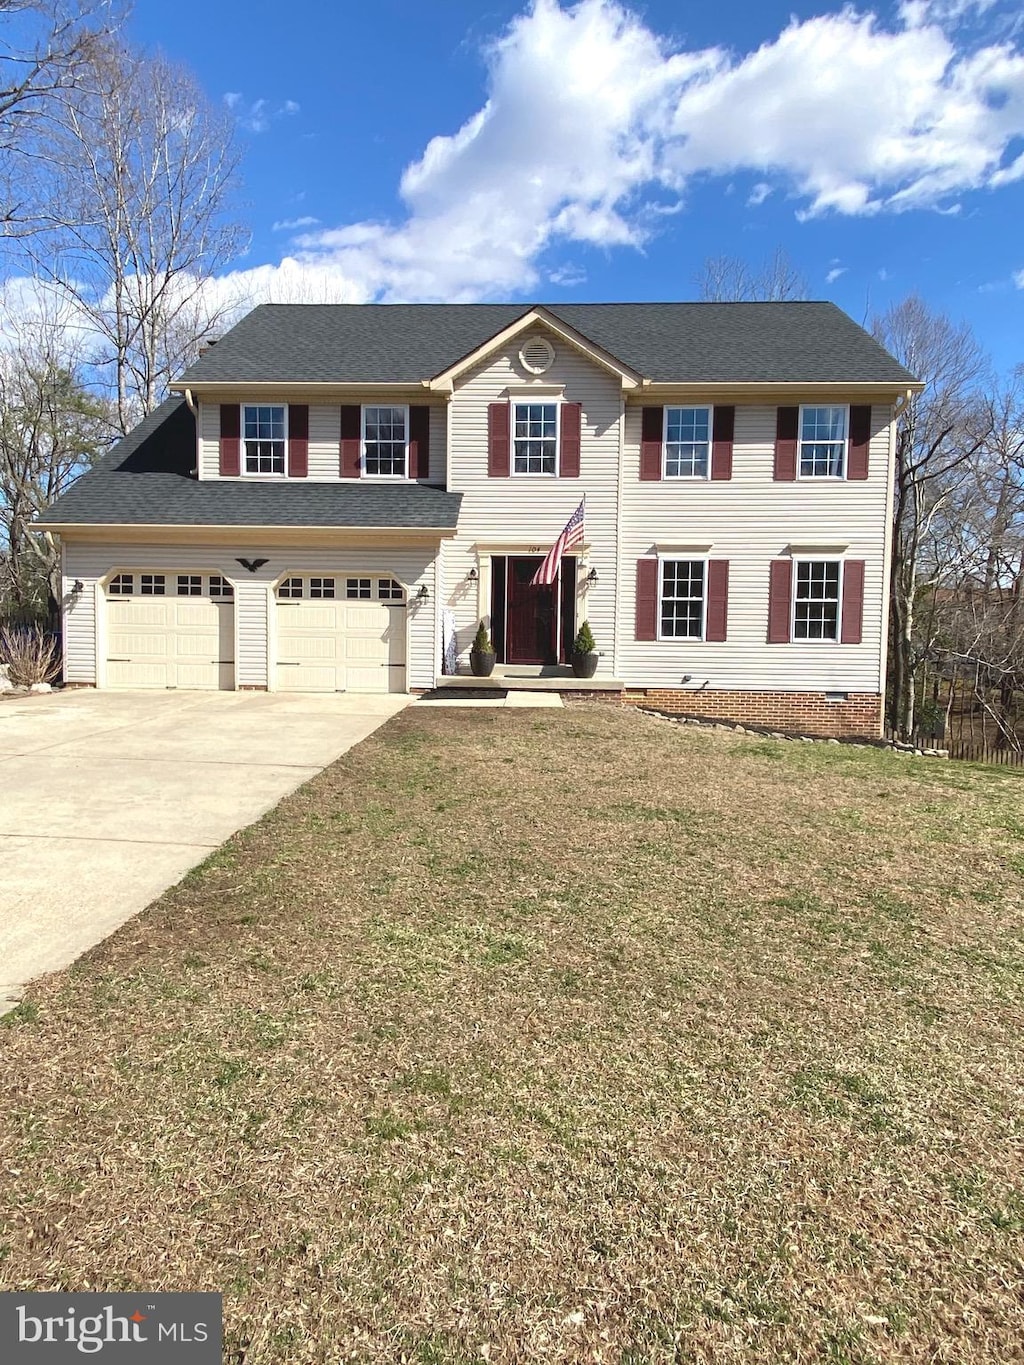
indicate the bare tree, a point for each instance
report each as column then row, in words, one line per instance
column 43, row 47
column 729, row 279
column 51, row 428
column 939, row 433
column 143, row 170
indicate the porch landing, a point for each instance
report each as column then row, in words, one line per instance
column 529, row 678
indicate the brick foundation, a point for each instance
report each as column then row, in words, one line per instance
column 797, row 713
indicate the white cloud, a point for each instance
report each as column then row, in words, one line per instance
column 257, row 116
column 294, row 224
column 1018, row 278
column 834, row 273
column 758, row 194
column 840, row 112
column 594, row 126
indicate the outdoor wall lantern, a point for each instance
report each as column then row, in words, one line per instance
column 422, row 595
column 471, row 577
column 592, row 576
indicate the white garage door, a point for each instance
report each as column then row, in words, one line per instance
column 340, row 634
column 170, row 630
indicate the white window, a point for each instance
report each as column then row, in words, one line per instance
column 220, row 587
column 816, row 599
column 822, row 442
column 152, row 584
column 321, row 587
column 388, row 590
column 190, row 585
column 535, row 438
column 358, row 588
column 682, row 599
column 687, row 443
column 290, row 587
column 122, row 585
column 385, row 442
column 264, row 433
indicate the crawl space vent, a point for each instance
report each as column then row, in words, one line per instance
column 537, row 355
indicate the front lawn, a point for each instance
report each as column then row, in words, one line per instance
column 556, row 1037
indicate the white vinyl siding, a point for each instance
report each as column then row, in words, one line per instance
column 526, row 514
column 750, row 520
column 325, row 437
column 412, row 566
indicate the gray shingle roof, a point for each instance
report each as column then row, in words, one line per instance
column 664, row 342
column 145, row 480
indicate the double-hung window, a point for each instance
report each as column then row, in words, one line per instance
column 264, row 433
column 386, row 441
column 687, row 443
column 816, row 599
column 822, row 453
column 535, row 438
column 682, row 599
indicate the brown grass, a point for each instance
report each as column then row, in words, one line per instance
column 563, row 1036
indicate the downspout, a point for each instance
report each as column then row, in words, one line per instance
column 190, row 403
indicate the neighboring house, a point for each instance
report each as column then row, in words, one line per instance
column 337, row 485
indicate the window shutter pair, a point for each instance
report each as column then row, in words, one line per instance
column 352, row 441
column 499, row 440
column 787, row 432
column 780, row 602
column 716, row 588
column 296, row 456
column 652, row 432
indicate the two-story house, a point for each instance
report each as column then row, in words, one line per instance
column 338, row 494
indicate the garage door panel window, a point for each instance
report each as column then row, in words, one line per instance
column 152, row 584
column 321, row 587
column 220, row 587
column 290, row 588
column 190, row 585
column 388, row 590
column 358, row 588
column 122, row 585
column 265, row 436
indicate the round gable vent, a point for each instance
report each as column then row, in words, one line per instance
column 537, row 355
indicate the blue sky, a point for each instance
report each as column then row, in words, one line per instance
column 597, row 151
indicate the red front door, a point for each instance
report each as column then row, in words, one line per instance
column 531, row 617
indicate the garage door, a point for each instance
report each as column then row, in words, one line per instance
column 170, row 630
column 340, row 634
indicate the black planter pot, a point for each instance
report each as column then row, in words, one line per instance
column 584, row 665
column 482, row 664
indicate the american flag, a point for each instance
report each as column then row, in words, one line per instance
column 572, row 534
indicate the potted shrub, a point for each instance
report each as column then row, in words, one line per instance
column 584, row 653
column 482, row 655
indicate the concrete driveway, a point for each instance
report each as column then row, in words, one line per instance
column 108, row 798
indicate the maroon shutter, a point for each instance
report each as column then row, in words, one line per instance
column 230, row 442
column 569, row 453
column 787, row 421
column 853, row 602
column 647, row 599
column 351, row 440
column 419, row 443
column 498, row 440
column 721, row 444
column 651, row 434
column 780, row 590
column 860, row 440
column 298, row 440
column 718, row 600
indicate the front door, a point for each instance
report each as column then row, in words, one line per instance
column 531, row 618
